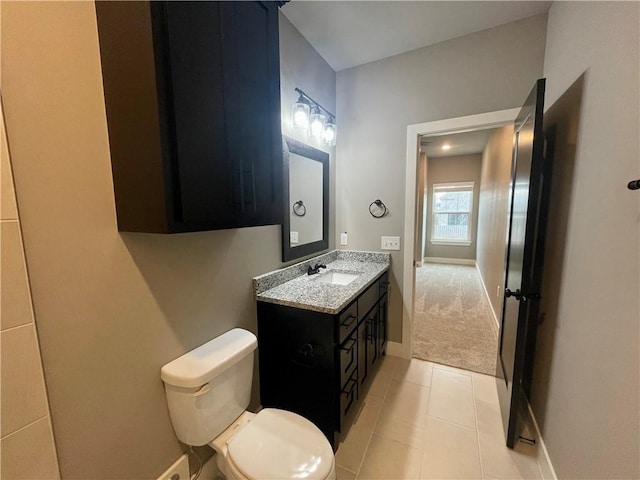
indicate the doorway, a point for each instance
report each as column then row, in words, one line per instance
column 413, row 254
column 463, row 184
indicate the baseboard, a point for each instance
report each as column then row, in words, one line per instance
column 452, row 261
column 546, row 467
column 486, row 293
column 395, row 349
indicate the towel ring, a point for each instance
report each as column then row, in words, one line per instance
column 382, row 209
column 299, row 209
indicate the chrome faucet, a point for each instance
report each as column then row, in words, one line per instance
column 316, row 269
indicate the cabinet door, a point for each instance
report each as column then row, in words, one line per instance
column 220, row 111
column 191, row 96
column 252, row 95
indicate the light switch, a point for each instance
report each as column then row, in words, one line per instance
column 343, row 238
column 390, row 243
column 293, row 237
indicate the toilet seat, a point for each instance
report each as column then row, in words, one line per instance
column 277, row 444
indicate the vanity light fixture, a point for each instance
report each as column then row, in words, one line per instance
column 300, row 114
column 307, row 116
column 446, row 146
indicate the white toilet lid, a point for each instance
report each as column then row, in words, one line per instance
column 278, row 444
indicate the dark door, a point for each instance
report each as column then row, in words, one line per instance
column 529, row 193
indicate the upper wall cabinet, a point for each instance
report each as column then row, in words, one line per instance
column 192, row 94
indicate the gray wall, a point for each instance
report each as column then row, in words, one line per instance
column 492, row 214
column 586, row 380
column 486, row 71
column 112, row 308
column 462, row 168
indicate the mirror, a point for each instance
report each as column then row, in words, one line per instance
column 305, row 228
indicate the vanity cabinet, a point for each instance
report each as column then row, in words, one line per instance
column 320, row 365
column 192, row 96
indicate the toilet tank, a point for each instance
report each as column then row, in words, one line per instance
column 210, row 386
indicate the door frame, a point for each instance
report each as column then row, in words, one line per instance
column 450, row 125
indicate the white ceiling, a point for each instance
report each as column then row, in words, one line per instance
column 461, row 143
column 350, row 33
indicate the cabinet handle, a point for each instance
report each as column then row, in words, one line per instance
column 347, row 322
column 350, row 383
column 351, row 343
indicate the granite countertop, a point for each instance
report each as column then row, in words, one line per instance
column 306, row 292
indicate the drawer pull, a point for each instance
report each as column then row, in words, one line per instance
column 347, row 322
column 349, row 386
column 348, row 345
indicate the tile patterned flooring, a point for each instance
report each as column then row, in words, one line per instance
column 422, row 420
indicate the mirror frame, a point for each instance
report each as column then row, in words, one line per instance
column 291, row 145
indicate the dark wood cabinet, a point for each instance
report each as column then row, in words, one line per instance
column 192, row 98
column 321, row 365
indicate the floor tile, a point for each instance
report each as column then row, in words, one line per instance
column 484, row 388
column 387, row 459
column 368, row 414
column 452, row 397
column 500, row 462
column 414, row 371
column 344, row 474
column 450, row 451
column 449, row 429
column 351, row 451
column 440, row 366
column 406, row 402
column 403, row 432
column 388, row 364
column 490, row 420
column 380, row 384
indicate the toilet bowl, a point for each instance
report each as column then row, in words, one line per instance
column 274, row 444
column 208, row 390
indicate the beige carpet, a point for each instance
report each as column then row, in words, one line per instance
column 453, row 322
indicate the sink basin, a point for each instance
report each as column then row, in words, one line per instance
column 336, row 277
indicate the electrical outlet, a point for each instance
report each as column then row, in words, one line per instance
column 343, row 238
column 293, row 237
column 178, row 471
column 390, row 243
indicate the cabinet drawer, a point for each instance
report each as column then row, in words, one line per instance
column 348, row 357
column 348, row 397
column 368, row 299
column 347, row 322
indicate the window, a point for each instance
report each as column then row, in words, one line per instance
column 452, row 207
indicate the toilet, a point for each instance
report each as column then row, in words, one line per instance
column 208, row 390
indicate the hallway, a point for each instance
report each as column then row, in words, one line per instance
column 453, row 322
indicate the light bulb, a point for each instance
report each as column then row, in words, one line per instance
column 300, row 118
column 329, row 134
column 317, row 123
